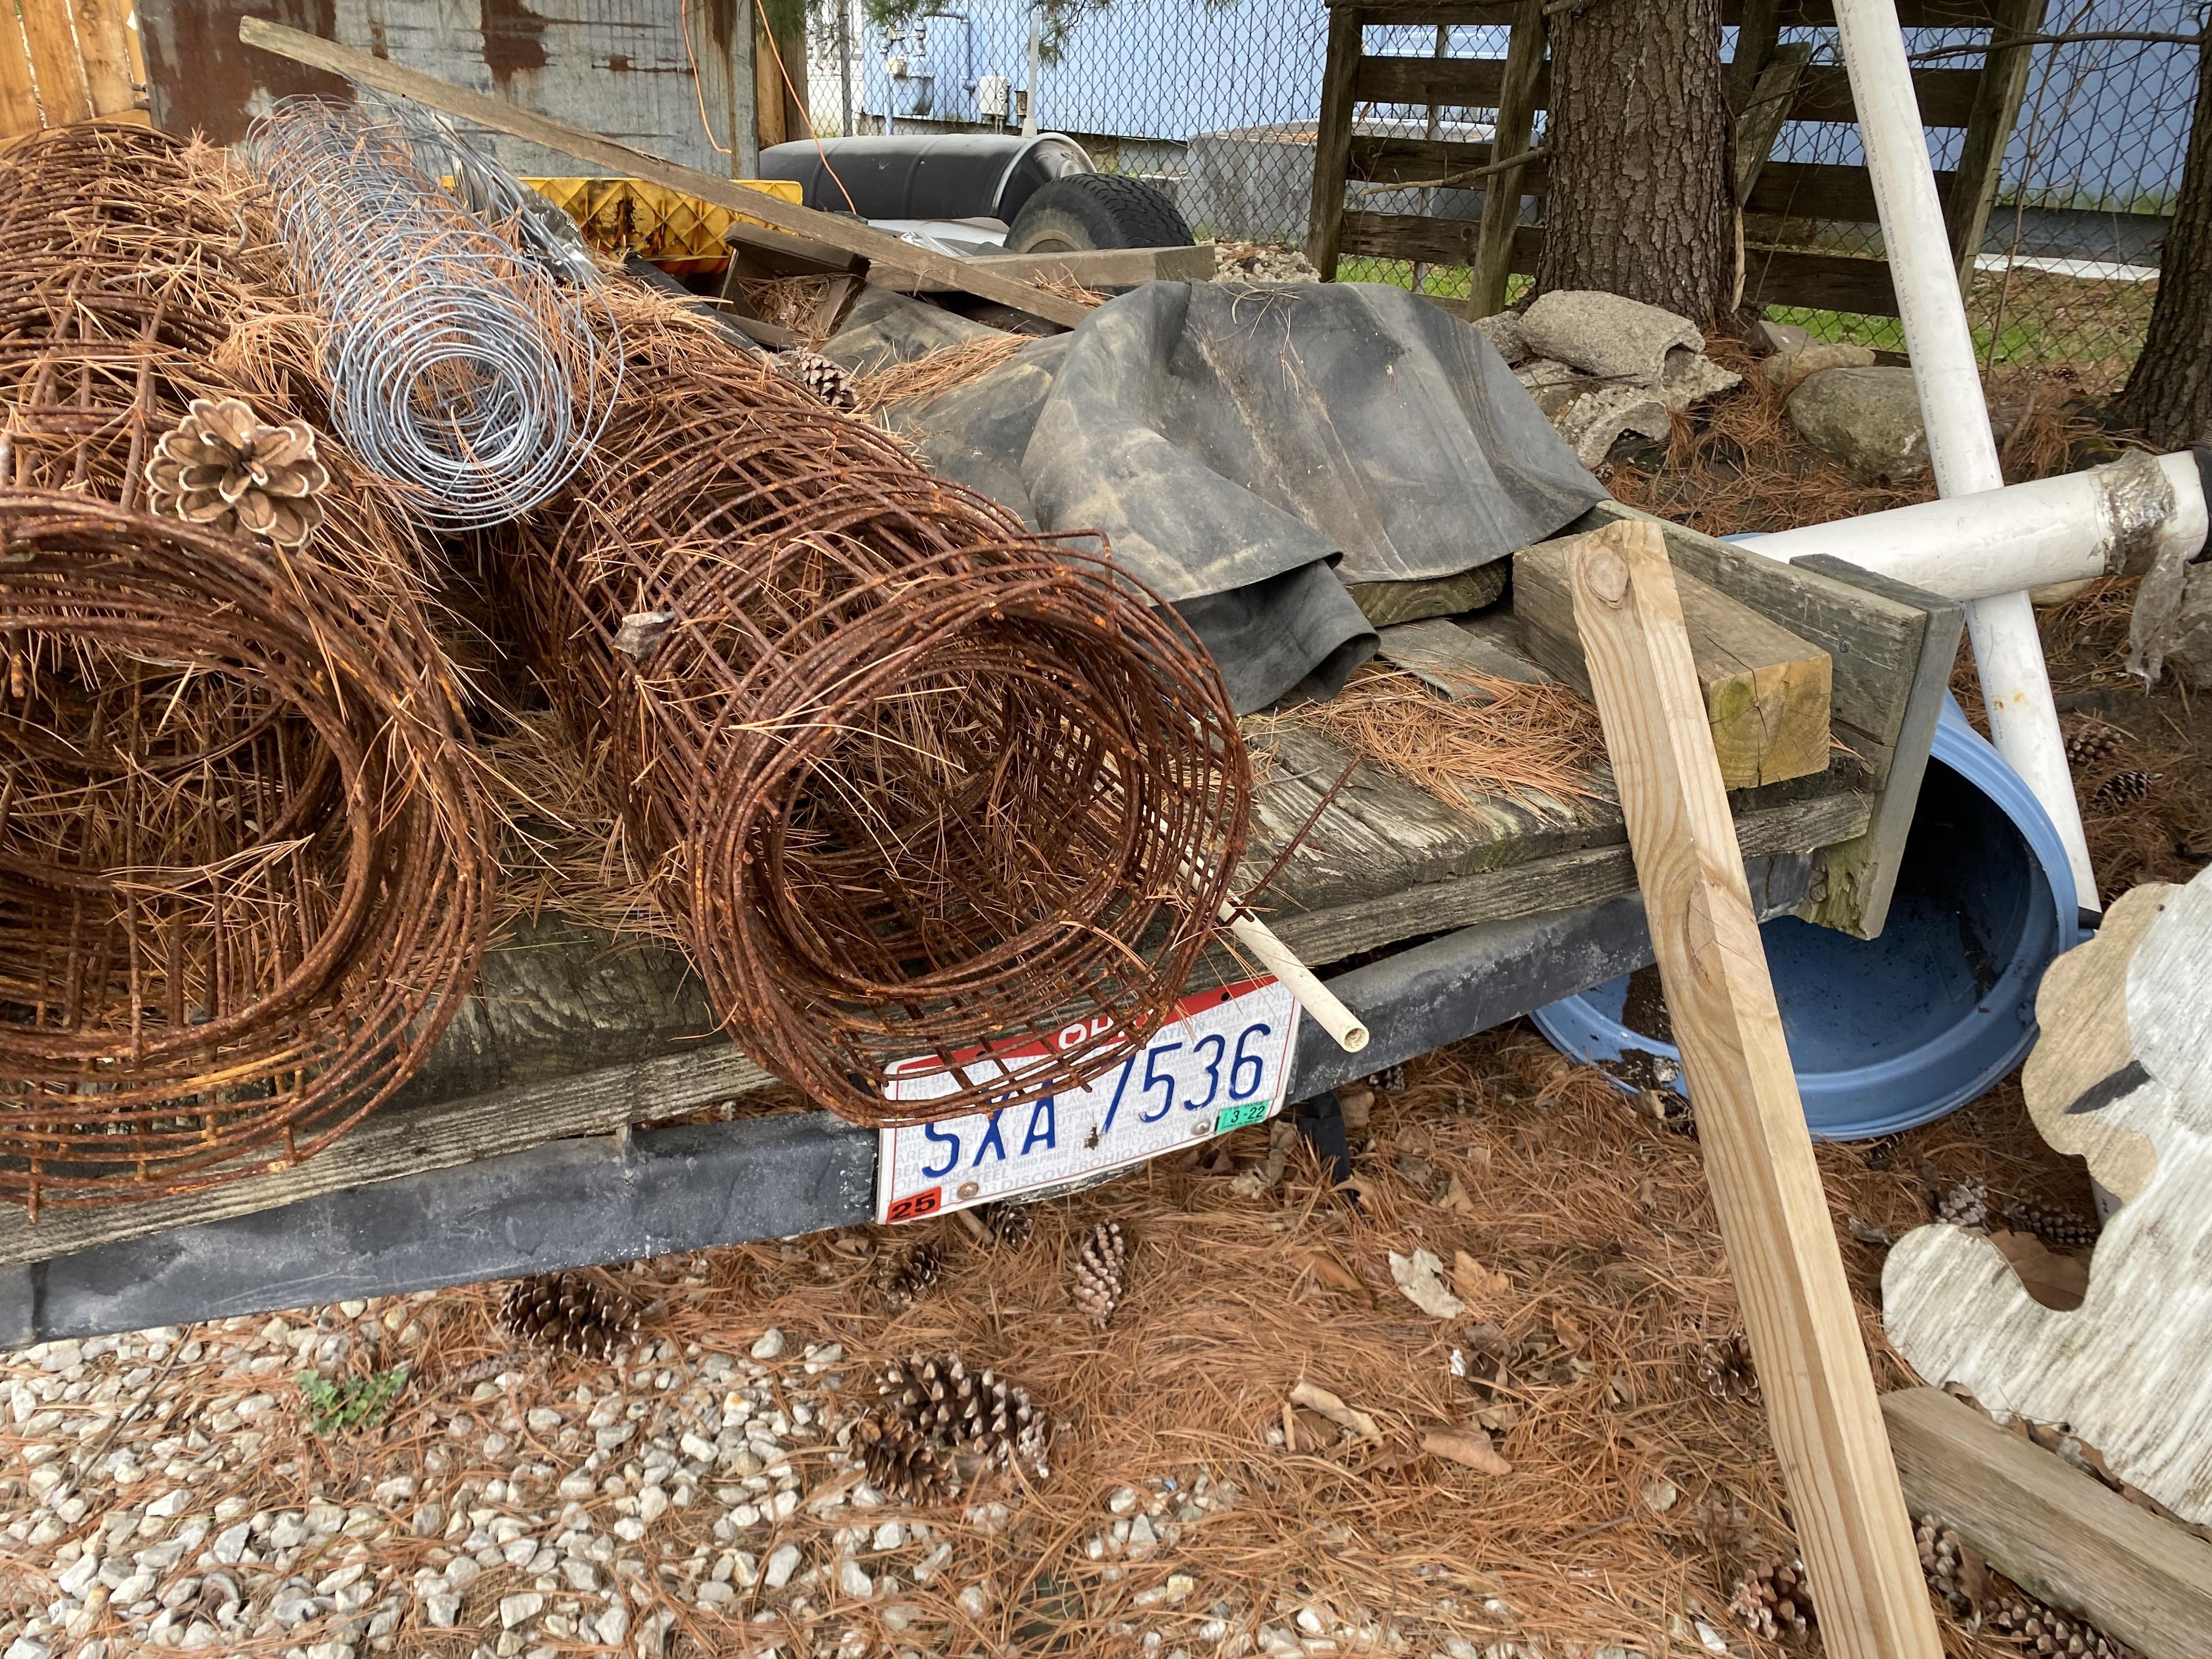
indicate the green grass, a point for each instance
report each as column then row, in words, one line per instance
column 1443, row 281
column 351, row 1402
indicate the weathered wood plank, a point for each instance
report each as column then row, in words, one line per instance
column 19, row 103
column 1766, row 689
column 1820, row 1404
column 1822, row 189
column 1099, row 267
column 2058, row 1532
column 55, row 65
column 104, row 51
column 1855, row 878
column 1513, row 131
column 879, row 247
column 1333, row 141
column 1869, row 636
column 1947, row 96
column 1444, row 654
column 1757, row 29
column 1760, row 122
column 1997, row 99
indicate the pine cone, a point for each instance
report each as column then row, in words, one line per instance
column 1955, row 1573
column 579, row 1312
column 2042, row 1631
column 971, row 1419
column 1008, row 1225
column 2059, row 1229
column 825, row 379
column 903, row 1277
column 219, row 467
column 2121, row 787
column 2092, row 745
column 1097, row 1271
column 901, row 1462
column 1388, row 1081
column 1725, row 1368
column 1965, row 1204
column 1775, row 1601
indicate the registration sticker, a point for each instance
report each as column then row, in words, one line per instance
column 1220, row 1063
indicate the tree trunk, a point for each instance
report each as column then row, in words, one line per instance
column 2169, row 396
column 1640, row 201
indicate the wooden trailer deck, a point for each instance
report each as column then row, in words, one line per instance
column 544, row 1133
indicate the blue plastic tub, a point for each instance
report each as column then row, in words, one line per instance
column 1889, row 1032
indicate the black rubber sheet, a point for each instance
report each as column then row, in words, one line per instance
column 1247, row 451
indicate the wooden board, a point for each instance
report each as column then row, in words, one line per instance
column 1990, row 123
column 1766, row 689
column 1773, row 101
column 1444, row 654
column 104, row 55
column 55, row 65
column 2060, row 1535
column 1098, row 268
column 1846, row 1505
column 2126, row 1370
column 1513, row 130
column 1824, row 93
column 879, row 247
column 19, row 103
column 1333, row 142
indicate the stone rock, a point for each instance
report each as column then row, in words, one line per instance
column 2189, row 647
column 1504, row 331
column 1691, row 377
column 770, row 1344
column 1624, row 341
column 442, row 1608
column 1771, row 337
column 1786, row 370
column 1867, row 418
column 519, row 1609
column 1596, row 421
column 1553, row 384
column 782, row 1565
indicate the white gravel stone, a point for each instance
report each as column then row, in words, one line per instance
column 442, row 1609
column 714, row 1593
column 853, row 1579
column 782, row 1565
column 768, row 1346
column 519, row 1609
column 651, row 1504
column 975, row 1600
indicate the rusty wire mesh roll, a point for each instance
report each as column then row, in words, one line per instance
column 245, row 850
column 926, row 781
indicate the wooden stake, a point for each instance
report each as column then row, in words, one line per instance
column 1850, row 1514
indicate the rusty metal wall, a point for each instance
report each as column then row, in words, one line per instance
column 620, row 69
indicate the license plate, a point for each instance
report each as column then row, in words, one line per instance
column 1219, row 1064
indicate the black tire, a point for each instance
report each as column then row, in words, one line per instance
column 1095, row 210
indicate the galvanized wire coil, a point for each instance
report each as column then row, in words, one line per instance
column 471, row 369
column 934, row 789
column 245, row 850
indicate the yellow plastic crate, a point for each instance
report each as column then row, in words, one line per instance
column 677, row 232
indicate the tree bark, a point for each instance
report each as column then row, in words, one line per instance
column 1639, row 135
column 2169, row 396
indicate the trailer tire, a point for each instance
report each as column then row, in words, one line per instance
column 1096, row 210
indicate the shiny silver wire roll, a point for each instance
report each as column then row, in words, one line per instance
column 462, row 362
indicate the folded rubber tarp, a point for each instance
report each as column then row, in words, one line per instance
column 1249, row 450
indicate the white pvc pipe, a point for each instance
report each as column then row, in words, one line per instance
column 2015, row 684
column 1321, row 1003
column 2110, row 521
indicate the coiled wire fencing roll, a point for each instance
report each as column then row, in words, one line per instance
column 245, row 850
column 469, row 356
column 929, row 788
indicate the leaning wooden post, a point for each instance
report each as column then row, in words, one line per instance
column 1850, row 1517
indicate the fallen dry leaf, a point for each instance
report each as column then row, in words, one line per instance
column 1320, row 1400
column 1470, row 1446
column 1477, row 1283
column 2059, row 1282
column 1324, row 1265
column 1419, row 1276
column 1455, row 1198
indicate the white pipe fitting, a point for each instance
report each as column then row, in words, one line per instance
column 2109, row 521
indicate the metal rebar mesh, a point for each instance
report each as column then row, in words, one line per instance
column 243, row 851
column 459, row 367
column 929, row 782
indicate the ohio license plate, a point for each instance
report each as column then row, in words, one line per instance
column 1220, row 1063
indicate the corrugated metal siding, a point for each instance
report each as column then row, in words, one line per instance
column 622, row 70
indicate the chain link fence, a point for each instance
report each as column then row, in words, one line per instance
column 1215, row 101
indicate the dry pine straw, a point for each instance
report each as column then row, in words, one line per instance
column 937, row 373
column 1597, row 1217
column 1539, row 744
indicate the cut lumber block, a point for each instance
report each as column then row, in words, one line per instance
column 1093, row 268
column 2062, row 1535
column 1820, row 1404
column 879, row 247
column 1766, row 691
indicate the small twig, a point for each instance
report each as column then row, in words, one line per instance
column 92, row 1457
column 2143, row 37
